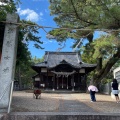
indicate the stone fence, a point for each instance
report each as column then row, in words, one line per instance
column 105, row 88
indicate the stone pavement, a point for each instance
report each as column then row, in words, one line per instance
column 68, row 103
column 53, row 102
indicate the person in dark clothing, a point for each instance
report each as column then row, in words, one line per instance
column 92, row 95
column 115, row 90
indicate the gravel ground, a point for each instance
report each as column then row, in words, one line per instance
column 53, row 102
column 24, row 102
column 104, row 104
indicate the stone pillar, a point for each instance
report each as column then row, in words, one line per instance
column 8, row 60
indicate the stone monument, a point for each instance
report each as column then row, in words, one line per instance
column 8, row 60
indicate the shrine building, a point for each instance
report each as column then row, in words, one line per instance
column 62, row 70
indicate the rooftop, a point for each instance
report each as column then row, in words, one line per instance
column 52, row 59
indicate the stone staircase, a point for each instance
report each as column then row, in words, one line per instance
column 58, row 116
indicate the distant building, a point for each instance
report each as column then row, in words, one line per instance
column 116, row 74
column 62, row 70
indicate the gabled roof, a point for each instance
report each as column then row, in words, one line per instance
column 53, row 59
column 56, row 58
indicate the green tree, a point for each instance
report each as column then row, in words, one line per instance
column 86, row 14
column 26, row 28
column 37, row 60
column 80, row 19
column 24, row 71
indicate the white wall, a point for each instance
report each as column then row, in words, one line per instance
column 116, row 74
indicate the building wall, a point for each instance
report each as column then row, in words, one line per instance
column 116, row 74
column 60, row 82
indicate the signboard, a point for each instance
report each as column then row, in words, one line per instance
column 37, row 79
column 82, row 71
column 43, row 69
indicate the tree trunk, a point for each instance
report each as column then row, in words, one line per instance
column 104, row 71
column 99, row 64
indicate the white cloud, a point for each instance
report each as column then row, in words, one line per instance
column 33, row 16
column 50, row 36
column 2, row 3
column 46, row 11
column 30, row 14
column 49, row 41
column 41, row 14
column 18, row 10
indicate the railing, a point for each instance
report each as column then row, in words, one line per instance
column 10, row 98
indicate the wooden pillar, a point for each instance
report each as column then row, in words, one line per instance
column 62, row 81
column 79, row 81
column 39, row 80
column 46, row 81
column 67, row 82
column 85, row 82
column 53, row 83
column 57, row 82
column 72, row 82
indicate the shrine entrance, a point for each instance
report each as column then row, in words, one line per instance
column 63, row 80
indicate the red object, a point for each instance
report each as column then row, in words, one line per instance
column 37, row 91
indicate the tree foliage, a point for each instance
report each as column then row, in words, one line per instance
column 6, row 7
column 87, row 13
column 27, row 32
column 82, row 18
column 37, row 60
column 24, row 73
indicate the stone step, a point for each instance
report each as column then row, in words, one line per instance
column 61, row 116
column 1, row 116
column 3, row 110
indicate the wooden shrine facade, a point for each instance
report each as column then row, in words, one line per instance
column 62, row 70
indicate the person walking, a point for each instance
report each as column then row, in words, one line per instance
column 115, row 90
column 92, row 89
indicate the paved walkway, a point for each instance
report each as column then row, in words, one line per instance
column 68, row 103
column 52, row 102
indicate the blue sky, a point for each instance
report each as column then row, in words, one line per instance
column 38, row 11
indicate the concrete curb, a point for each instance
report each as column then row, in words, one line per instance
column 1, row 117
column 61, row 116
column 4, row 116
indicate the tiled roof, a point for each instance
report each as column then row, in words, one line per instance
column 52, row 59
column 55, row 58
